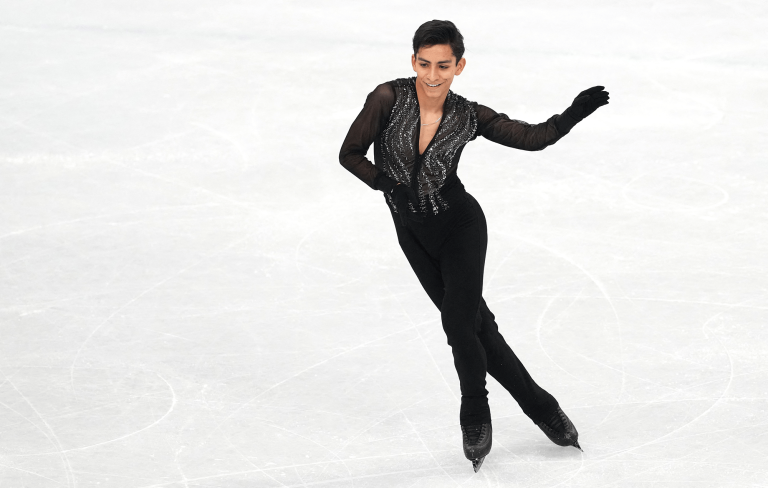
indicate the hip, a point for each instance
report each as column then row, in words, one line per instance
column 462, row 214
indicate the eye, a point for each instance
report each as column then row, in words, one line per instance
column 423, row 65
column 443, row 67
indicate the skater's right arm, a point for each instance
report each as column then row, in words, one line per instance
column 364, row 130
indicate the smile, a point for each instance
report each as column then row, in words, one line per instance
column 433, row 85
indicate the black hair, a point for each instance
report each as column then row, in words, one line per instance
column 439, row 32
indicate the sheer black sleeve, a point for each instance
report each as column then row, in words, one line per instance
column 364, row 130
column 515, row 133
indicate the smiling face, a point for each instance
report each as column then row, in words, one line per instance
column 435, row 67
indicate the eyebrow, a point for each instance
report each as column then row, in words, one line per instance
column 439, row 62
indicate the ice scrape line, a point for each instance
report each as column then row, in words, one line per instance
column 140, row 295
column 540, row 325
column 331, row 452
column 607, row 297
column 314, row 483
column 376, row 422
column 130, row 434
column 431, row 454
column 104, row 216
column 29, row 472
column 658, row 439
column 53, row 438
column 424, row 343
column 248, row 460
column 236, row 203
column 299, row 373
column 238, row 147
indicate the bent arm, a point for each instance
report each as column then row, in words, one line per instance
column 364, row 130
column 501, row 129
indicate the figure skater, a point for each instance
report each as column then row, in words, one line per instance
column 419, row 128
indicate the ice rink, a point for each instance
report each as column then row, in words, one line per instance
column 194, row 293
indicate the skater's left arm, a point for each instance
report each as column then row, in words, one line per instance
column 501, row 129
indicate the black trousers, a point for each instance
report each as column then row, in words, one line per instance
column 447, row 253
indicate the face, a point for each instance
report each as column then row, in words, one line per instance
column 435, row 67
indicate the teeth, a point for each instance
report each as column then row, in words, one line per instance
column 433, row 85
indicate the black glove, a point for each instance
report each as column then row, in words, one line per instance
column 583, row 105
column 401, row 195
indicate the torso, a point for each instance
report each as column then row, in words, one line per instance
column 406, row 146
column 427, row 132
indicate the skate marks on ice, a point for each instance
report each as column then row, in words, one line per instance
column 702, row 359
column 699, row 421
column 674, row 193
column 606, row 296
column 48, row 432
column 140, row 350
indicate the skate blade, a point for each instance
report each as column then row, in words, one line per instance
column 577, row 446
column 476, row 463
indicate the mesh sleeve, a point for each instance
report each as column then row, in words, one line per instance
column 501, row 129
column 364, row 130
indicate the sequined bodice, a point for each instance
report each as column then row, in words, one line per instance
column 400, row 143
column 390, row 121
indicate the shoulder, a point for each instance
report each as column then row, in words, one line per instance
column 460, row 101
column 401, row 86
column 389, row 93
column 459, row 105
column 403, row 83
column 392, row 87
column 398, row 88
column 382, row 93
column 384, row 89
column 381, row 99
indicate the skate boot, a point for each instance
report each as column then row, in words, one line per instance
column 560, row 430
column 477, row 443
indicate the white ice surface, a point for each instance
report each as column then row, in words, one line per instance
column 193, row 292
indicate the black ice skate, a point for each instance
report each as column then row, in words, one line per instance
column 560, row 430
column 477, row 443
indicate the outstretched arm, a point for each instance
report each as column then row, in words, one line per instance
column 364, row 130
column 501, row 129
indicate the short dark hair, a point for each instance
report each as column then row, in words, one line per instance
column 439, row 32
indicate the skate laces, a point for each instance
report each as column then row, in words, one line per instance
column 473, row 433
column 556, row 422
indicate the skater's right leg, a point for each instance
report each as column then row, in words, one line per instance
column 455, row 288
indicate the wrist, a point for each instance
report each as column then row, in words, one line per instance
column 384, row 183
column 565, row 122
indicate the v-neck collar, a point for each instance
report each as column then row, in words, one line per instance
column 418, row 128
column 418, row 135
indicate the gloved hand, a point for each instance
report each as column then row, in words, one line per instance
column 583, row 105
column 401, row 195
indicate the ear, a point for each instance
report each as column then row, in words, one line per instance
column 413, row 61
column 460, row 66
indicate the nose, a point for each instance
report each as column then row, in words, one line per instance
column 433, row 73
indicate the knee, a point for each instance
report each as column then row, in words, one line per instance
column 460, row 323
column 486, row 320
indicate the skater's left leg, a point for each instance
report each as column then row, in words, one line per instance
column 505, row 367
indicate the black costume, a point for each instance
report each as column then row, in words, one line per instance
column 446, row 246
